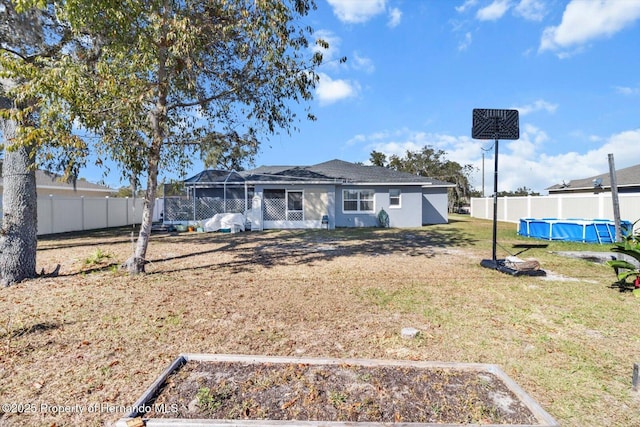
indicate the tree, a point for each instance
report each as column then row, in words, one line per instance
column 167, row 79
column 26, row 39
column 18, row 239
column 432, row 163
column 378, row 159
column 520, row 191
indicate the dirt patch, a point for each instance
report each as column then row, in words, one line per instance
column 591, row 256
column 310, row 392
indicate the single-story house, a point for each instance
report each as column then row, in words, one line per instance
column 627, row 180
column 330, row 194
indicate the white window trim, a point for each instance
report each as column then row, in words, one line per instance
column 399, row 205
column 286, row 197
column 359, row 191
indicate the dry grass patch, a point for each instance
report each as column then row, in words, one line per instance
column 95, row 338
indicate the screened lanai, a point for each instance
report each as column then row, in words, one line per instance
column 208, row 193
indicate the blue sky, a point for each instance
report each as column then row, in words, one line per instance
column 417, row 68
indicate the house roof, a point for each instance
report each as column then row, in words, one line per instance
column 625, row 178
column 328, row 172
column 351, row 172
column 288, row 174
column 51, row 181
column 211, row 176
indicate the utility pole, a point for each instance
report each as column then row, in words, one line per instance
column 614, row 197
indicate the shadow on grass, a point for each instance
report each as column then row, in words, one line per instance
column 92, row 238
column 26, row 330
column 623, row 287
column 305, row 247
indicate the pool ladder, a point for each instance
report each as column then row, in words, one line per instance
column 603, row 231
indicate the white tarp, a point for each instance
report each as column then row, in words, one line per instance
column 223, row 221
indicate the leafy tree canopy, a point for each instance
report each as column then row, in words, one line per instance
column 30, row 40
column 520, row 191
column 160, row 81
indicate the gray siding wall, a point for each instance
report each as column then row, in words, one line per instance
column 418, row 206
column 409, row 214
column 435, row 206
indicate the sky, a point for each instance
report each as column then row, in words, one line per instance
column 416, row 69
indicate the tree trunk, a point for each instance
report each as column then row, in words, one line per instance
column 157, row 121
column 18, row 235
column 135, row 264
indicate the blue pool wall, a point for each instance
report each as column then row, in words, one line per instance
column 572, row 229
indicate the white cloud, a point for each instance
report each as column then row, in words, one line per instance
column 522, row 163
column 583, row 21
column 531, row 10
column 398, row 148
column 534, row 133
column 539, row 105
column 329, row 91
column 398, row 142
column 468, row 4
column 356, row 139
column 357, row 11
column 494, row 11
column 395, row 16
column 362, row 63
column 465, row 42
column 628, row 91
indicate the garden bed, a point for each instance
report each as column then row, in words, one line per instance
column 250, row 390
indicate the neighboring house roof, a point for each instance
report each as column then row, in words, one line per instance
column 333, row 171
column 627, row 179
column 46, row 180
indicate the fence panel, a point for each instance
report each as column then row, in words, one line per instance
column 630, row 209
column 94, row 213
column 576, row 206
column 517, row 206
column 61, row 214
column 66, row 213
column 45, row 219
column 587, row 206
column 541, row 207
column 117, row 212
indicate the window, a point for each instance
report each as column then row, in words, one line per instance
column 283, row 205
column 294, row 200
column 294, row 206
column 394, row 198
column 357, row 200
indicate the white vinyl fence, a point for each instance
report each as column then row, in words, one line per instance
column 584, row 206
column 61, row 214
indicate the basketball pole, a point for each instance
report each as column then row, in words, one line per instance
column 495, row 205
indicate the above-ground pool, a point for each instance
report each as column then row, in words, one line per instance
column 572, row 229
